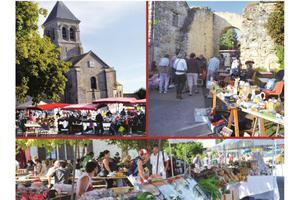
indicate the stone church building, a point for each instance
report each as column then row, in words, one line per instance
column 89, row 77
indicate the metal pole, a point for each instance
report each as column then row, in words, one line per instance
column 185, row 159
column 274, row 157
column 157, row 161
column 172, row 170
column 66, row 153
column 74, row 168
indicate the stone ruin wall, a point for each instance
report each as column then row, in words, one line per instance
column 256, row 44
column 200, row 34
column 166, row 37
column 199, row 30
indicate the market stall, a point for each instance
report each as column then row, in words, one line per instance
column 240, row 96
column 258, row 181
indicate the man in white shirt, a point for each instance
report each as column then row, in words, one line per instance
column 164, row 71
column 163, row 163
column 180, row 67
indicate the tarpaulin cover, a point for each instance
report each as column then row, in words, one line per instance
column 87, row 106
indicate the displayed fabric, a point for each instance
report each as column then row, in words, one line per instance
column 257, row 186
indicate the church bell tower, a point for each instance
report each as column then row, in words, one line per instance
column 62, row 27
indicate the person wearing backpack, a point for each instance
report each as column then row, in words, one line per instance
column 180, row 68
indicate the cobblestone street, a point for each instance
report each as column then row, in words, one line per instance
column 169, row 116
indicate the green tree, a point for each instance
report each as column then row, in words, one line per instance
column 141, row 93
column 275, row 24
column 49, row 144
column 191, row 148
column 39, row 71
column 126, row 145
column 229, row 40
column 275, row 28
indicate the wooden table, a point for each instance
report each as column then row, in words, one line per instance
column 259, row 117
column 233, row 113
column 106, row 178
column 18, row 180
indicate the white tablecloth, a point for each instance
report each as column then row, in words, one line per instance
column 262, row 187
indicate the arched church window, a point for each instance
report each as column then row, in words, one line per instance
column 64, row 33
column 72, row 34
column 175, row 19
column 93, row 83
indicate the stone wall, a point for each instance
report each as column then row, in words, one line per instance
column 167, row 38
column 256, row 44
column 200, row 33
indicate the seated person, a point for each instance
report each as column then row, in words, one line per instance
column 84, row 183
column 61, row 174
column 249, row 70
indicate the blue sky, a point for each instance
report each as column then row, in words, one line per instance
column 222, row 6
column 116, row 32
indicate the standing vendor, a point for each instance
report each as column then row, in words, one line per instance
column 136, row 169
column 160, row 162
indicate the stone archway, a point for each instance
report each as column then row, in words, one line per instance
column 206, row 29
column 222, row 22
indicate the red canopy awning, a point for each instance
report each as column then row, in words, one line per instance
column 139, row 102
column 87, row 106
column 123, row 100
column 50, row 106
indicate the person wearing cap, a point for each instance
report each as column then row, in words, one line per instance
column 164, row 71
column 137, row 170
column 117, row 158
column 180, row 68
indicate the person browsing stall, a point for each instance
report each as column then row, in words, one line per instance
column 136, row 169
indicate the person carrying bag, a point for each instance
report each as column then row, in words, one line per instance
column 180, row 67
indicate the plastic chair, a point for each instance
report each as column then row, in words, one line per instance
column 276, row 91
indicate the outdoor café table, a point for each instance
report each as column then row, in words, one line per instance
column 106, row 178
column 20, row 179
column 261, row 118
column 29, row 127
column 259, row 187
column 233, row 113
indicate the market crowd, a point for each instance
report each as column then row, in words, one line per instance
column 185, row 71
column 99, row 122
column 140, row 170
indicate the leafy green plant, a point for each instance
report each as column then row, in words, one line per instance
column 275, row 28
column 210, row 187
column 145, row 196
